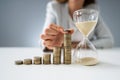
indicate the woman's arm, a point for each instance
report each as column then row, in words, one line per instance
column 50, row 16
column 104, row 38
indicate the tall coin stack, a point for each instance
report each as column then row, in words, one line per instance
column 56, row 55
column 67, row 48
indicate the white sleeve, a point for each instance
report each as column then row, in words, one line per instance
column 104, row 38
column 50, row 16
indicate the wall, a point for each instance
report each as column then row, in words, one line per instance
column 21, row 21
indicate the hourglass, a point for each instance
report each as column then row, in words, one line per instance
column 85, row 52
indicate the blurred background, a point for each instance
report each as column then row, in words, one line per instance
column 21, row 21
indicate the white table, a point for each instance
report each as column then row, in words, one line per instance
column 108, row 69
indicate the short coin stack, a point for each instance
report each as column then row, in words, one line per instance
column 19, row 62
column 27, row 61
column 56, row 55
column 37, row 60
column 67, row 48
column 47, row 58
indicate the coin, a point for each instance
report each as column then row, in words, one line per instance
column 46, row 58
column 56, row 59
column 57, row 55
column 19, row 62
column 56, row 51
column 67, row 39
column 46, row 62
column 57, row 62
column 67, row 62
column 67, row 55
column 27, row 61
column 37, row 60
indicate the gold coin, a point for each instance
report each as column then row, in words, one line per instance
column 56, row 59
column 47, row 59
column 56, row 55
column 67, row 57
column 37, row 60
column 56, row 51
column 27, row 61
column 67, row 39
column 46, row 55
column 46, row 62
column 67, row 54
column 56, row 62
column 19, row 62
column 67, row 63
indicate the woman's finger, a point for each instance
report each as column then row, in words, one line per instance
column 48, row 46
column 71, row 31
column 47, row 37
column 52, row 43
column 48, row 42
column 55, row 27
column 50, row 31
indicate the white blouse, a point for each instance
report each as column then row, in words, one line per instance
column 58, row 14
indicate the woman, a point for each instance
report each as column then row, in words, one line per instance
column 59, row 16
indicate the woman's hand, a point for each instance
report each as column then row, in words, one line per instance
column 53, row 36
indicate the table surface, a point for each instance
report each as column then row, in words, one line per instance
column 108, row 69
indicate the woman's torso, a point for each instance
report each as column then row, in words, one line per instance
column 64, row 19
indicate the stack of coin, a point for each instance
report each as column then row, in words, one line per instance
column 46, row 58
column 67, row 38
column 27, row 61
column 56, row 55
column 37, row 60
column 67, row 55
column 19, row 62
column 67, row 48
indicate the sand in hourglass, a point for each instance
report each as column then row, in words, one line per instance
column 87, row 61
column 86, row 27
